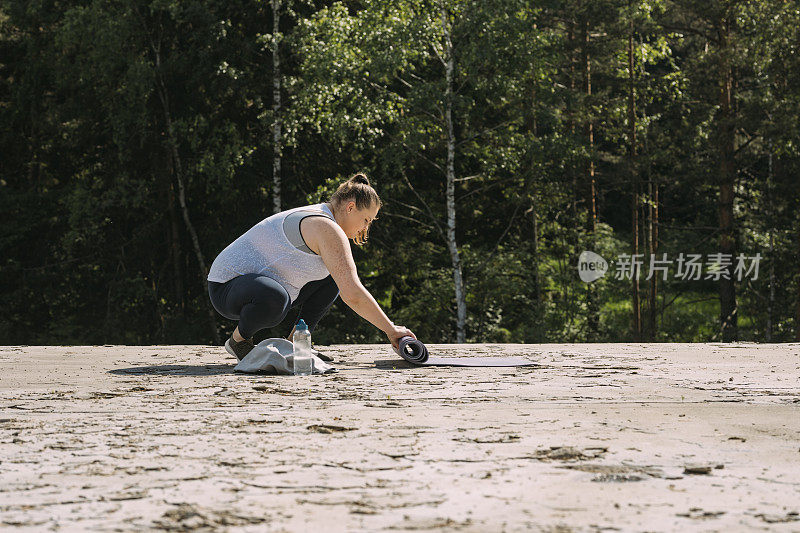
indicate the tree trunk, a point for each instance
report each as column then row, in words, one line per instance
column 535, row 219
column 727, row 176
column 175, row 250
column 592, row 319
column 571, row 119
column 276, row 109
column 797, row 310
column 636, row 303
column 652, row 221
column 532, row 128
column 771, row 300
column 591, row 207
column 461, row 302
column 653, row 226
column 161, row 91
column 571, row 227
column 178, row 168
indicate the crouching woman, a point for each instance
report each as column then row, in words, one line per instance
column 299, row 258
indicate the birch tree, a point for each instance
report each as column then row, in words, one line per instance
column 276, row 107
column 151, row 109
column 452, row 245
column 402, row 58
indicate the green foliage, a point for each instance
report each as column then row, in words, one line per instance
column 95, row 248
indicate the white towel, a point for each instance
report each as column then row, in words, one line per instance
column 275, row 356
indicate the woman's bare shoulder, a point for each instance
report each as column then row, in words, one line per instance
column 315, row 228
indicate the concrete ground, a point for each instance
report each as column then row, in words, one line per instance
column 655, row 437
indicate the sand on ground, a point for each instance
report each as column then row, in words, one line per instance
column 655, row 437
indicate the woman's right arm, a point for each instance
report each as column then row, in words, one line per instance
column 334, row 249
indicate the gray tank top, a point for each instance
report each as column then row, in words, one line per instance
column 275, row 248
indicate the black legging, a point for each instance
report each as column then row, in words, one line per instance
column 259, row 302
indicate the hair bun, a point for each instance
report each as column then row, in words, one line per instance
column 360, row 178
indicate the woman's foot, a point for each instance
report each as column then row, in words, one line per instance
column 239, row 349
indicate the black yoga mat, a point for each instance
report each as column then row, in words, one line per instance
column 415, row 352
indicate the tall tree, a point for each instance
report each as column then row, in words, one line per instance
column 725, row 26
column 277, row 141
column 452, row 244
column 412, row 68
column 715, row 24
column 634, row 173
column 589, row 176
column 154, row 38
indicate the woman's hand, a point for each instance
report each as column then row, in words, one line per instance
column 397, row 333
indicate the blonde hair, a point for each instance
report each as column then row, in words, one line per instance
column 357, row 189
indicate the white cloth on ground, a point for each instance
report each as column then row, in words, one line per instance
column 276, row 356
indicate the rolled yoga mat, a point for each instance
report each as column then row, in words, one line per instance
column 415, row 352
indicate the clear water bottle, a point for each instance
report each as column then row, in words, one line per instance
column 301, row 343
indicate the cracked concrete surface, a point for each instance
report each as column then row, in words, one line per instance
column 607, row 436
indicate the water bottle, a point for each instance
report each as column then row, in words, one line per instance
column 303, row 362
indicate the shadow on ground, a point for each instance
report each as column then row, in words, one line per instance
column 393, row 364
column 175, row 370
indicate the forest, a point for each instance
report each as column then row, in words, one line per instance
column 550, row 172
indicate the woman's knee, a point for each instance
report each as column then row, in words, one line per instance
column 217, row 295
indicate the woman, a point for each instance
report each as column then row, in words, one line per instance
column 300, row 257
